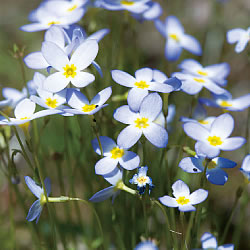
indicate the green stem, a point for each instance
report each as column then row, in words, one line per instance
column 94, row 127
column 190, row 225
column 182, row 218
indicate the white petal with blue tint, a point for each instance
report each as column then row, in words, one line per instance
column 125, row 115
column 198, row 196
column 129, row 160
column 105, row 165
column 129, row 136
column 180, row 188
column 34, row 211
column 123, row 78
column 56, row 82
column 85, row 54
column 107, row 145
column 196, row 131
column 151, row 106
column 102, row 96
column 232, row 143
column 187, row 208
column 208, row 241
column 246, row 163
column 34, row 188
column 168, row 201
column 135, row 97
column 36, row 60
column 103, row 194
column 82, row 79
column 172, row 50
column 25, row 108
column 144, row 74
column 157, row 135
column 191, row 44
column 205, row 149
column 222, row 126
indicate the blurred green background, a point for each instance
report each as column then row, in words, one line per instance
column 129, row 46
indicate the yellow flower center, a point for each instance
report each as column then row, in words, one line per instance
column 42, row 199
column 214, row 140
column 51, row 102
column 116, row 153
column 182, row 200
column 53, row 22
column 202, row 73
column 88, row 108
column 70, row 71
column 174, row 37
column 225, row 104
column 199, row 80
column 141, row 122
column 142, row 179
column 72, row 8
column 141, row 85
column 203, row 122
column 128, row 3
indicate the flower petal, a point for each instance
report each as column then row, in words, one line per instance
column 102, row 96
column 196, row 131
column 129, row 136
column 103, row 194
column 82, row 79
column 54, row 55
column 107, row 145
column 191, row 165
column 172, row 50
column 34, row 188
column 130, row 160
column 180, row 188
column 123, row 78
column 55, row 82
column 191, row 44
column 151, row 106
column 125, row 115
column 156, row 134
column 168, row 201
column 208, row 241
column 222, row 126
column 186, row 208
column 35, row 60
column 217, row 176
column 246, row 163
column 232, row 143
column 25, row 108
column 198, row 196
column 85, row 54
column 144, row 74
column 34, row 211
column 135, row 97
column 105, row 165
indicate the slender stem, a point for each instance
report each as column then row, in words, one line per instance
column 94, row 127
column 182, row 218
column 190, row 224
column 145, row 216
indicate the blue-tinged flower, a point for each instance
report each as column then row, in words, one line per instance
column 142, row 123
column 245, row 168
column 153, row 12
column 211, row 141
column 146, row 245
column 69, row 70
column 239, row 36
column 141, row 84
column 13, row 96
column 45, row 98
column 43, row 18
column 113, row 154
column 115, row 179
column 177, row 39
column 141, row 180
column 25, row 112
column 36, row 208
column 199, row 116
column 133, row 6
column 192, row 84
column 208, row 241
column 215, row 72
column 183, row 199
column 227, row 102
column 81, row 105
column 215, row 173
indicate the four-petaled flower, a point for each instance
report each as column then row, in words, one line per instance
column 142, row 123
column 142, row 83
column 36, row 208
column 215, row 173
column 211, row 141
column 177, row 39
column 183, row 199
column 70, row 70
column 113, row 154
column 239, row 36
column 141, row 180
column 208, row 241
